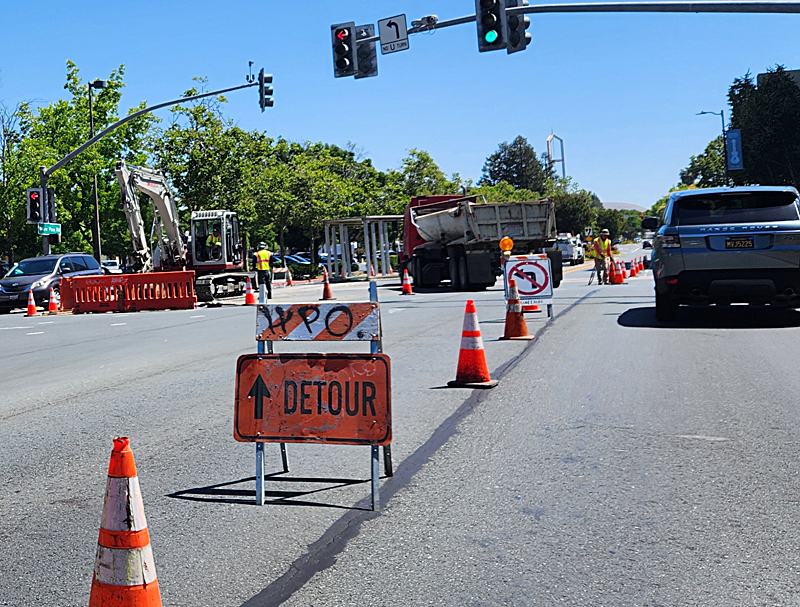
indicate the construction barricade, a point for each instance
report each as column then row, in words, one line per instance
column 129, row 292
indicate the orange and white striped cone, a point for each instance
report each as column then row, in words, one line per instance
column 515, row 319
column 407, row 290
column 289, row 282
column 371, row 270
column 641, row 264
column 633, row 268
column 622, row 271
column 611, row 275
column 249, row 296
column 124, row 569
column 31, row 304
column 326, row 285
column 472, row 372
column 52, row 306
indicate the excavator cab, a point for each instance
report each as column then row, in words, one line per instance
column 215, row 243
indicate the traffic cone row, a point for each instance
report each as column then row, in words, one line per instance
column 407, row 290
column 326, row 285
column 249, row 296
column 124, row 569
column 515, row 318
column 472, row 372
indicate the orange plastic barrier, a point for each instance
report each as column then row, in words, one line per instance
column 128, row 292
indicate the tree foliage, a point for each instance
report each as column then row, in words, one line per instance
column 706, row 170
column 516, row 164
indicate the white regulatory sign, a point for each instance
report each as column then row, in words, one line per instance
column 394, row 34
column 533, row 277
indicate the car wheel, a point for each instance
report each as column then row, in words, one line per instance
column 452, row 268
column 666, row 308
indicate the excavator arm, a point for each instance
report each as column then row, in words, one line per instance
column 154, row 184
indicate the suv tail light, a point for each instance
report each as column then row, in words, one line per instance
column 672, row 241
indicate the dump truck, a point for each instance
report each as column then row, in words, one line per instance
column 457, row 239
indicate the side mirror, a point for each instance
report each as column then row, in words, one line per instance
column 650, row 223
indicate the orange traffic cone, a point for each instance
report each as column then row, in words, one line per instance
column 371, row 270
column 473, row 372
column 515, row 320
column 31, row 304
column 531, row 308
column 407, row 290
column 289, row 282
column 633, row 268
column 611, row 275
column 326, row 285
column 249, row 296
column 124, row 569
column 52, row 306
column 622, row 271
column 641, row 264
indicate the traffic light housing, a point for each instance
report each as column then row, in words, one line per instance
column 492, row 29
column 518, row 38
column 345, row 60
column 35, row 205
column 264, row 92
column 366, row 53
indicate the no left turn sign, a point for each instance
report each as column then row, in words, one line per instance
column 533, row 277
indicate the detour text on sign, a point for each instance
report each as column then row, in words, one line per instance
column 323, row 398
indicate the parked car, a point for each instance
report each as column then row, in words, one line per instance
column 3, row 268
column 111, row 266
column 727, row 245
column 39, row 274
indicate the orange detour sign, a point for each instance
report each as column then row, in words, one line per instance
column 124, row 569
column 321, row 398
column 318, row 322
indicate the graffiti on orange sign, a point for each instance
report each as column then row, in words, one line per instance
column 318, row 322
column 328, row 398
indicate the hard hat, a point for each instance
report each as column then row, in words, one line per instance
column 262, row 245
column 604, row 231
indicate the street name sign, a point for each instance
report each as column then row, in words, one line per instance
column 320, row 398
column 533, row 276
column 318, row 322
column 49, row 229
column 393, row 33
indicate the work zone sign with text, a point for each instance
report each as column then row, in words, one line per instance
column 324, row 398
column 533, row 276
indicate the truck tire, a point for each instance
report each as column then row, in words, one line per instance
column 463, row 277
column 666, row 308
column 417, row 272
column 455, row 283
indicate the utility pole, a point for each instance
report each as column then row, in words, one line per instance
column 721, row 114
column 97, row 84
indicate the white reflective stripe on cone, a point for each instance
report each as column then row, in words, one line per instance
column 125, row 567
column 124, row 509
column 514, row 306
column 471, row 322
column 471, row 343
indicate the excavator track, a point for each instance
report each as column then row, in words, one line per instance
column 220, row 286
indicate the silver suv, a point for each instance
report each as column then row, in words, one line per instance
column 727, row 245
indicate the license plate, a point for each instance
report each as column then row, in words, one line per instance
column 13, row 296
column 739, row 242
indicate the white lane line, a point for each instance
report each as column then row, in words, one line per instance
column 10, row 328
column 201, row 316
column 118, row 324
column 47, row 322
column 35, row 333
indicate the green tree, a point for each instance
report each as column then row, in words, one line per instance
column 707, row 169
column 516, row 164
column 611, row 220
column 574, row 211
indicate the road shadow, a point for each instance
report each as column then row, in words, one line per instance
column 227, row 493
column 714, row 317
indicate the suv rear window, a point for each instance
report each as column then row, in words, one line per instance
column 737, row 207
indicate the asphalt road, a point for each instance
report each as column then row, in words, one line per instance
column 619, row 461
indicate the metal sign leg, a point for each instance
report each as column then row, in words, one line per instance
column 259, row 474
column 388, row 469
column 284, row 458
column 549, row 310
column 376, row 485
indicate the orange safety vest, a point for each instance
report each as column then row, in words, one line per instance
column 603, row 248
column 262, row 259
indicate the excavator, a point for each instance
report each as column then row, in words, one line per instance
column 217, row 268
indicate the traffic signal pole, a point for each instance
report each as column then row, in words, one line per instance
column 45, row 173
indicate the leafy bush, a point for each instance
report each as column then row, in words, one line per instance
column 304, row 271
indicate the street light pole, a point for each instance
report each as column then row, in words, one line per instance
column 97, row 84
column 721, row 114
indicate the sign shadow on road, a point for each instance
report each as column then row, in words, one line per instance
column 228, row 493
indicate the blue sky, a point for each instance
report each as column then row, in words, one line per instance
column 622, row 90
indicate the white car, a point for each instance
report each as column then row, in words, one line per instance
column 572, row 249
column 111, row 266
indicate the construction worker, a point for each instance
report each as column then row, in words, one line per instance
column 262, row 259
column 603, row 254
column 214, row 244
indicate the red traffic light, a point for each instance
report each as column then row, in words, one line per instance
column 34, row 196
column 342, row 34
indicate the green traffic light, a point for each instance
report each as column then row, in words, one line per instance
column 491, row 36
